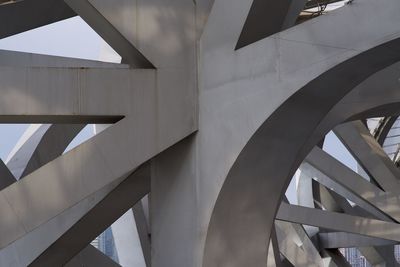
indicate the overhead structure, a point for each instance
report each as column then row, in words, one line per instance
column 214, row 108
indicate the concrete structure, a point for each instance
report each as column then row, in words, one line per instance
column 213, row 108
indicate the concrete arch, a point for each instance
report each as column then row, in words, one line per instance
column 243, row 215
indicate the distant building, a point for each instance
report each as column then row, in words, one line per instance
column 105, row 243
column 354, row 257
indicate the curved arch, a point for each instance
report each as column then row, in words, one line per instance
column 243, row 215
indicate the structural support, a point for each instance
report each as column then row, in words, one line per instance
column 113, row 206
column 354, row 187
column 130, row 54
column 370, row 155
column 331, row 240
column 268, row 17
column 339, row 222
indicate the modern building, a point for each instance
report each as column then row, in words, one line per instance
column 215, row 111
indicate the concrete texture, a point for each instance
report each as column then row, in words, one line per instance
column 216, row 106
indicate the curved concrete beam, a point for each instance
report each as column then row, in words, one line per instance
column 269, row 151
column 261, row 182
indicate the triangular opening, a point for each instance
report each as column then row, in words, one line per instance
column 71, row 37
column 334, row 147
column 266, row 18
column 85, row 134
column 10, row 134
column 28, row 147
column 105, row 243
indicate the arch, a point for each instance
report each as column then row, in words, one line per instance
column 244, row 212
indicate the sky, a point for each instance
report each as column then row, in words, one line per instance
column 69, row 38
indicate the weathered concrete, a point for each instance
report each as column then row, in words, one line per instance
column 215, row 194
column 339, row 222
column 258, row 160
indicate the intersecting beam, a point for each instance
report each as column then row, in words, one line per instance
column 296, row 246
column 110, row 34
column 6, row 177
column 164, row 31
column 384, row 129
column 339, row 222
column 369, row 154
column 91, row 257
column 374, row 249
column 336, row 256
column 40, row 145
column 19, row 17
column 250, row 180
column 348, row 240
column 372, row 256
column 325, row 167
column 267, row 17
column 127, row 240
column 107, row 211
column 141, row 226
column 107, row 157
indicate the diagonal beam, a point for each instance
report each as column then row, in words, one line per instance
column 116, row 203
column 6, row 177
column 106, row 156
column 130, row 54
column 163, row 31
column 141, row 226
column 372, row 248
column 52, row 145
column 267, row 17
column 39, row 145
column 369, row 154
column 37, row 241
column 372, row 256
column 127, row 240
column 18, row 17
column 336, row 256
column 325, row 167
column 348, row 240
column 296, row 246
column 91, row 257
column 339, row 222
